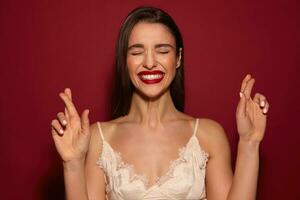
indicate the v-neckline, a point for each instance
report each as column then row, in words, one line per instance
column 121, row 164
column 142, row 177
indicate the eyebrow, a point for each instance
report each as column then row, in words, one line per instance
column 156, row 46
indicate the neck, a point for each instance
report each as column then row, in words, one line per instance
column 152, row 112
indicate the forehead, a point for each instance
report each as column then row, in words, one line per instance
column 150, row 33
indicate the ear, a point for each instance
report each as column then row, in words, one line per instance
column 178, row 63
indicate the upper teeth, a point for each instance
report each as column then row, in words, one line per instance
column 151, row 76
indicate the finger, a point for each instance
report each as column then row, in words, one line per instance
column 54, row 132
column 260, row 99
column 67, row 114
column 68, row 93
column 71, row 110
column 266, row 108
column 85, row 122
column 244, row 82
column 57, row 127
column 62, row 118
column 248, row 88
column 241, row 107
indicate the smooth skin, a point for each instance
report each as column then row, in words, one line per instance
column 160, row 134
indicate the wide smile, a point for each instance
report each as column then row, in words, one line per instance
column 151, row 77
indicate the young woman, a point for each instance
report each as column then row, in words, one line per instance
column 151, row 149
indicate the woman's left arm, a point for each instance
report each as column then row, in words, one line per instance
column 251, row 123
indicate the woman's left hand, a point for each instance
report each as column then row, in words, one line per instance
column 251, row 113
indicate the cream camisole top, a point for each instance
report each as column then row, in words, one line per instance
column 184, row 180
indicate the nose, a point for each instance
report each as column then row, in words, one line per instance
column 149, row 60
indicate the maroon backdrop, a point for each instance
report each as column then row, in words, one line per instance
column 48, row 45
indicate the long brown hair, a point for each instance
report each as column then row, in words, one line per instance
column 123, row 88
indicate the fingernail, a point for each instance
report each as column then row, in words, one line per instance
column 64, row 122
column 241, row 94
column 61, row 131
column 262, row 103
column 265, row 110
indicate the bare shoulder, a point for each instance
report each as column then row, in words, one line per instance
column 106, row 127
column 211, row 128
column 212, row 135
column 96, row 142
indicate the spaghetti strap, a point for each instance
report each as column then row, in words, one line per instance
column 196, row 126
column 100, row 130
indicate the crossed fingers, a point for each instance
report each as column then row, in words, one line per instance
column 260, row 99
column 71, row 111
column 63, row 119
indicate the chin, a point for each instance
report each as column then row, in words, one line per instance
column 151, row 94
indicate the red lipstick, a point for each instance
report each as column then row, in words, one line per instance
column 151, row 77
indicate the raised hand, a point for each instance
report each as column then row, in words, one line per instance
column 251, row 113
column 70, row 132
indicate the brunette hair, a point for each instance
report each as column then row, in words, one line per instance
column 123, row 88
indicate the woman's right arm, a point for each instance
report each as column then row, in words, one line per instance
column 86, row 182
column 94, row 174
column 73, row 145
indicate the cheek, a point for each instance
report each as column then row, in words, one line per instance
column 169, row 63
column 133, row 63
column 132, row 66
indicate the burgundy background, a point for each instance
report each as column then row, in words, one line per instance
column 48, row 45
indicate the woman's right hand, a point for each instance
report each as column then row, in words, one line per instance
column 70, row 132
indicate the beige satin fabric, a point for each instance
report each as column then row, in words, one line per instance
column 185, row 179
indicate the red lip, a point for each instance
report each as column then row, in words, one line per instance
column 150, row 72
column 152, row 81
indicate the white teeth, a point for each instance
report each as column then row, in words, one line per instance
column 151, row 76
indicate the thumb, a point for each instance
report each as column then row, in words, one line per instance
column 85, row 122
column 241, row 108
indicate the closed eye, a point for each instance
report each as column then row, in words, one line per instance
column 164, row 48
column 163, row 52
column 136, row 53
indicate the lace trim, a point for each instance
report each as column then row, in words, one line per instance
column 100, row 163
column 159, row 180
column 205, row 157
column 173, row 164
column 100, row 159
column 132, row 175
